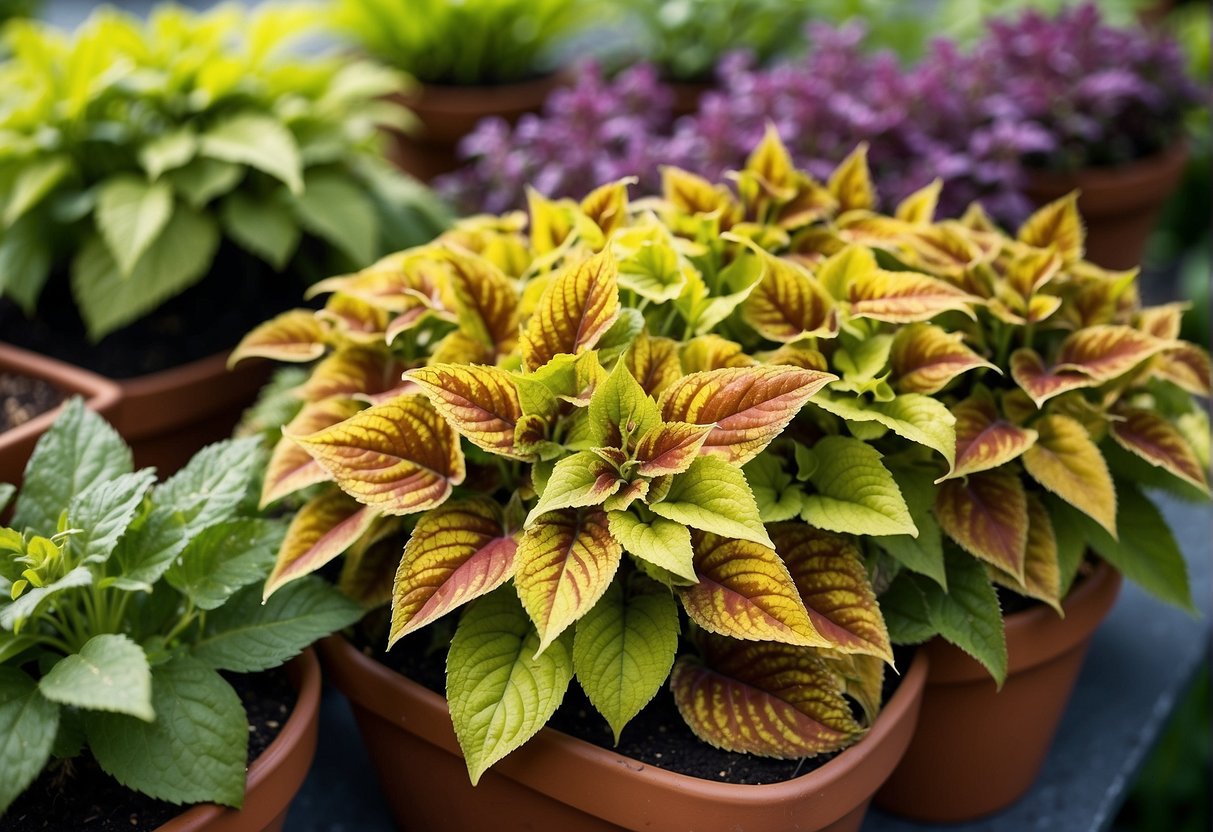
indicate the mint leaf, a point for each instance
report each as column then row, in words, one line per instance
column 102, row 513
column 224, row 559
column 131, row 213
column 203, row 179
column 34, row 181
column 27, row 731
column 25, row 262
column 210, row 487
column 13, row 616
column 168, row 152
column 147, row 550
column 110, row 673
column 713, row 496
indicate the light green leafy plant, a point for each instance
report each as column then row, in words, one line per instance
column 134, row 153
column 464, row 42
column 120, row 600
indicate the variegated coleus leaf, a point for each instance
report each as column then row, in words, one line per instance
column 607, row 205
column 354, row 320
column 621, row 412
column 583, row 479
column 1187, row 366
column 1067, row 462
column 773, row 700
column 1059, row 225
column 987, row 514
column 1042, row 568
column 788, row 304
column 854, row 279
column 946, row 250
column 653, row 362
column 1106, row 352
column 984, row 439
column 457, row 552
column 370, row 564
column 925, row 358
column 748, row 406
column 354, row 372
column 1030, row 270
column 321, row 530
column 297, row 335
column 768, row 174
column 670, row 448
column 693, row 195
column 399, row 457
column 290, row 467
column 1158, row 442
column 918, row 418
column 566, row 560
column 486, row 299
column 712, row 352
column 411, row 283
column 851, row 182
column 480, row 402
column 1042, row 383
column 829, row 572
column 576, row 309
column 919, row 207
column 745, row 591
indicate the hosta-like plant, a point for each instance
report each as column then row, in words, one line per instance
column 641, row 438
column 120, row 602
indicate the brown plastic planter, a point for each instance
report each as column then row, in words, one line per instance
column 977, row 749
column 168, row 416
column 558, row 782
column 448, row 113
column 1120, row 205
column 16, row 445
column 276, row 776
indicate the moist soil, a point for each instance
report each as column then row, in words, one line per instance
column 77, row 795
column 210, row 317
column 657, row 736
column 23, row 397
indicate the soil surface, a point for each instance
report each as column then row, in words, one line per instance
column 657, row 736
column 22, row 398
column 77, row 795
column 207, row 318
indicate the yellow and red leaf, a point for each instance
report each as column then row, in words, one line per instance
column 296, row 335
column 1067, row 462
column 987, row 514
column 1042, row 570
column 788, row 304
column 1059, row 225
column 1040, row 382
column 353, row 371
column 355, row 319
column 1186, row 366
column 653, row 362
column 480, row 402
column 712, row 352
column 1158, row 442
column 576, row 308
column 1107, row 351
column 904, row 297
column 985, row 440
column 851, row 182
column 925, row 358
column 487, row 301
column 321, row 530
column 291, row 467
column 669, row 448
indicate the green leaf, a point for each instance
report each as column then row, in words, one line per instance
column 13, row 616
column 79, row 449
column 131, row 213
column 1145, row 552
column 661, row 542
column 195, row 751
column 110, row 673
column 968, row 614
column 203, row 179
column 259, row 141
column 583, row 479
column 620, row 335
column 168, row 152
column 33, row 183
column 103, row 511
column 713, row 496
column 264, row 227
column 856, row 492
column 11, row 645
column 1071, row 542
column 623, row 650
column 620, row 411
column 147, row 549
column 918, row 418
column 28, row 723
column 212, row 484
column 922, row 554
column 778, row 499
column 7, row 492
column 904, row 607
column 245, row 635
column 225, row 558
column 25, row 262
column 179, row 257
column 501, row 693
column 338, row 212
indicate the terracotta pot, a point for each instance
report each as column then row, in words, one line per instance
column 448, row 113
column 559, row 782
column 1120, row 205
column 687, row 95
column 978, row 749
column 276, row 776
column 168, row 416
column 16, row 445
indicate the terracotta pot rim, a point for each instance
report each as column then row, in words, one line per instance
column 161, row 381
column 1037, row 635
column 306, row 670
column 903, row 703
column 1141, row 180
column 428, row 101
column 101, row 394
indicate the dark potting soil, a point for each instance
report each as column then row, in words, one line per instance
column 207, row 318
column 657, row 736
column 77, row 795
column 22, row 398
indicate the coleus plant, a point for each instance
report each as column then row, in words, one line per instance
column 581, row 423
column 120, row 602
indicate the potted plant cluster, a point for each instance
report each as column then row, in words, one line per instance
column 467, row 60
column 181, row 184
column 557, row 429
column 122, row 602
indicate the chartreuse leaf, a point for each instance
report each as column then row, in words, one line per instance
column 566, row 560
column 661, row 542
column 623, row 650
column 258, row 141
column 829, row 573
column 110, row 673
column 745, row 592
column 500, row 687
column 583, row 479
column 34, row 181
column 773, row 700
column 649, row 263
column 922, row 554
column 246, row 635
column 619, row 335
column 620, row 411
column 856, row 494
column 338, row 211
column 713, row 496
column 201, row 180
column 196, row 710
column 1067, row 462
column 777, row 497
column 987, row 514
column 79, row 449
column 28, row 722
column 576, row 309
column 1145, row 550
column 851, row 182
column 223, row 559
column 480, row 402
column 748, row 406
column 263, row 226
column 168, row 151
column 921, row 419
column 399, row 457
column 1157, row 441
column 457, row 552
column 968, row 614
column 131, row 213
column 103, row 511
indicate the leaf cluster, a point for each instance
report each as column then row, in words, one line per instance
column 120, row 602
column 132, row 153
